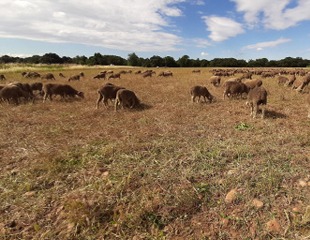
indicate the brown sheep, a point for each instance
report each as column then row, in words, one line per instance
column 253, row 83
column 100, row 75
column 200, row 91
column 304, row 82
column 165, row 74
column 247, row 75
column 234, row 89
column 215, row 81
column 282, row 80
column 76, row 77
column 126, row 99
column 291, row 80
column 257, row 96
column 48, row 76
column 37, row 86
column 2, row 77
column 115, row 75
column 31, row 75
column 26, row 88
column 106, row 92
column 235, row 79
column 63, row 90
column 13, row 93
column 148, row 74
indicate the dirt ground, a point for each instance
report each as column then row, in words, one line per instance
column 172, row 169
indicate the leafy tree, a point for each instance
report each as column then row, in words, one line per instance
column 157, row 61
column 67, row 60
column 51, row 58
column 36, row 59
column 133, row 60
column 184, row 61
column 170, row 62
column 7, row 59
column 82, row 60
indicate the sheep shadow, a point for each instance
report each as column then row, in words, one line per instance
column 274, row 114
column 143, row 107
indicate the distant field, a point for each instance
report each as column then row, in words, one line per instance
column 70, row 171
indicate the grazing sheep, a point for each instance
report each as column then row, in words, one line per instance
column 2, row 77
column 234, row 89
column 215, row 81
column 26, row 88
column 48, row 76
column 235, row 79
column 291, row 80
column 63, row 90
column 147, row 74
column 100, row 75
column 37, row 86
column 257, row 96
column 76, row 77
column 304, row 82
column 61, row 75
column 282, row 80
column 200, row 91
column 247, row 75
column 115, row 75
column 31, row 74
column 126, row 99
column 13, row 93
column 106, row 92
column 165, row 74
column 253, row 83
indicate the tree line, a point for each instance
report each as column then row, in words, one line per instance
column 155, row 61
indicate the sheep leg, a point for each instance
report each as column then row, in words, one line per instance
column 255, row 108
column 98, row 101
column 251, row 108
column 263, row 111
column 46, row 95
column 117, row 102
column 193, row 98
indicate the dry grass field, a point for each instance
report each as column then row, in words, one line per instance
column 172, row 170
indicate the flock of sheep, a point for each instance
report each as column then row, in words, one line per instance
column 233, row 88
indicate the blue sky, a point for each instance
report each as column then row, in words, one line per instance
column 204, row 29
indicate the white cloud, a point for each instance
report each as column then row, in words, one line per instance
column 199, row 2
column 204, row 54
column 201, row 42
column 274, row 14
column 136, row 25
column 222, row 28
column 262, row 45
